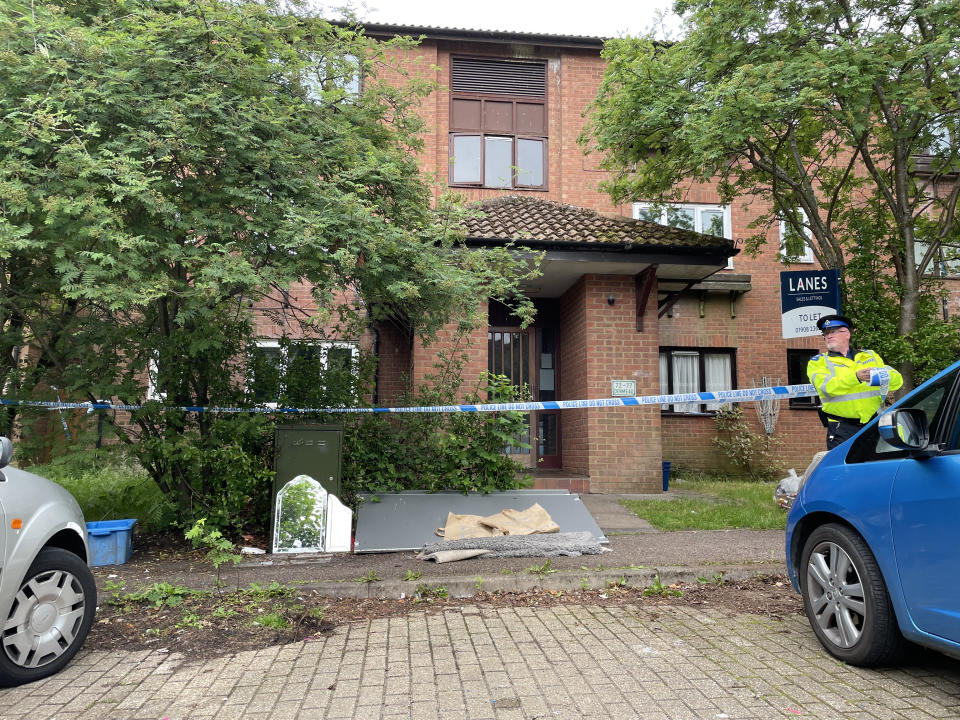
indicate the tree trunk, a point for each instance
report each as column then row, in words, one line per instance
column 906, row 326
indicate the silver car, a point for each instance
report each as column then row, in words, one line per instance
column 47, row 592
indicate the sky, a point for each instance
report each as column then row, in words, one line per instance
column 601, row 18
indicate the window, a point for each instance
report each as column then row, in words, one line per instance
column 498, row 123
column 794, row 247
column 291, row 369
column 945, row 263
column 336, row 78
column 153, row 379
column 797, row 375
column 706, row 219
column 691, row 370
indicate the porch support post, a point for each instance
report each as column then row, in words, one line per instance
column 646, row 281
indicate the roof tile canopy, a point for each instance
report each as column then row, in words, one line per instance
column 519, row 218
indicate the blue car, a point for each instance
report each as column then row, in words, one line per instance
column 873, row 534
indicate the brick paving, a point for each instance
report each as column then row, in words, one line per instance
column 564, row 662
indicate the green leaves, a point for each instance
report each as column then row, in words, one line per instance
column 832, row 108
column 170, row 172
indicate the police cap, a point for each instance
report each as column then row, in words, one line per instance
column 826, row 322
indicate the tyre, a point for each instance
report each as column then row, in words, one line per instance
column 846, row 598
column 49, row 619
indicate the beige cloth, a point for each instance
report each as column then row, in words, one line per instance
column 506, row 522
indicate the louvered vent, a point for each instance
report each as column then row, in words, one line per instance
column 500, row 77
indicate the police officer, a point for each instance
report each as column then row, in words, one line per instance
column 852, row 384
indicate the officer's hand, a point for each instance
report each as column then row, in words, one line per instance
column 863, row 375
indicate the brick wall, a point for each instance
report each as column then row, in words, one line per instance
column 595, row 344
column 473, row 344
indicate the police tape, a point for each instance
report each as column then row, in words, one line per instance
column 778, row 392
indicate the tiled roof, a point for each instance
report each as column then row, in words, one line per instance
column 521, row 218
column 376, row 28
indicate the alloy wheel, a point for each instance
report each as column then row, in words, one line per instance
column 835, row 593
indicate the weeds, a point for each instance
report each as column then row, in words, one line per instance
column 717, row 579
column 271, row 620
column 541, row 570
column 370, row 577
column 412, row 575
column 159, row 594
column 427, row 593
column 661, row 590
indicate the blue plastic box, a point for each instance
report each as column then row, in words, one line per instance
column 110, row 541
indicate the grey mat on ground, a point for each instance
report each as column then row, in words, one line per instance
column 549, row 545
column 407, row 520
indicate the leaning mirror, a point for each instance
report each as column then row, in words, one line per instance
column 299, row 524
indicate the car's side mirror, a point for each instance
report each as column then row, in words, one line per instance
column 906, row 429
column 6, row 451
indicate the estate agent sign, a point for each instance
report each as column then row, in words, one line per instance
column 805, row 296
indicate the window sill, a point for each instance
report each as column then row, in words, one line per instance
column 467, row 186
column 708, row 414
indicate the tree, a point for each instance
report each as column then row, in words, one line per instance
column 844, row 115
column 170, row 167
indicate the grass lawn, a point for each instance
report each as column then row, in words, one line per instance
column 724, row 505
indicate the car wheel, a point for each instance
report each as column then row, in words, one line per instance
column 49, row 619
column 846, row 598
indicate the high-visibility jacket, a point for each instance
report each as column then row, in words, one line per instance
column 841, row 392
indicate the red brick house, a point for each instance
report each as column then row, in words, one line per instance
column 673, row 309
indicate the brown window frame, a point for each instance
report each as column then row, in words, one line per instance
column 483, row 132
column 702, row 352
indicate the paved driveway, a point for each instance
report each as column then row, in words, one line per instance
column 561, row 662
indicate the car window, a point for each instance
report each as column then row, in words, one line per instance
column 870, row 446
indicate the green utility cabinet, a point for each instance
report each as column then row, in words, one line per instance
column 307, row 463
column 313, row 450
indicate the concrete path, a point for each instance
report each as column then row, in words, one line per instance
column 565, row 662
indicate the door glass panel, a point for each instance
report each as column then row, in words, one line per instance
column 547, row 434
column 508, row 356
column 547, row 385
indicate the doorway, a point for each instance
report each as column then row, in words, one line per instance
column 528, row 357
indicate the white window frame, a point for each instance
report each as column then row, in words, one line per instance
column 153, row 373
column 698, row 210
column 325, row 346
column 937, row 267
column 808, row 257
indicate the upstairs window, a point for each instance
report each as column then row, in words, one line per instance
column 706, row 219
column 794, row 247
column 945, row 262
column 498, row 123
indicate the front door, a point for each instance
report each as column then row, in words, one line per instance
column 528, row 358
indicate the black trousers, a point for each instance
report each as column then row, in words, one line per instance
column 840, row 431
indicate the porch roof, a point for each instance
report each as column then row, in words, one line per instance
column 577, row 241
column 528, row 220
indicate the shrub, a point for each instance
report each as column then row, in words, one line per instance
column 750, row 452
column 108, row 485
